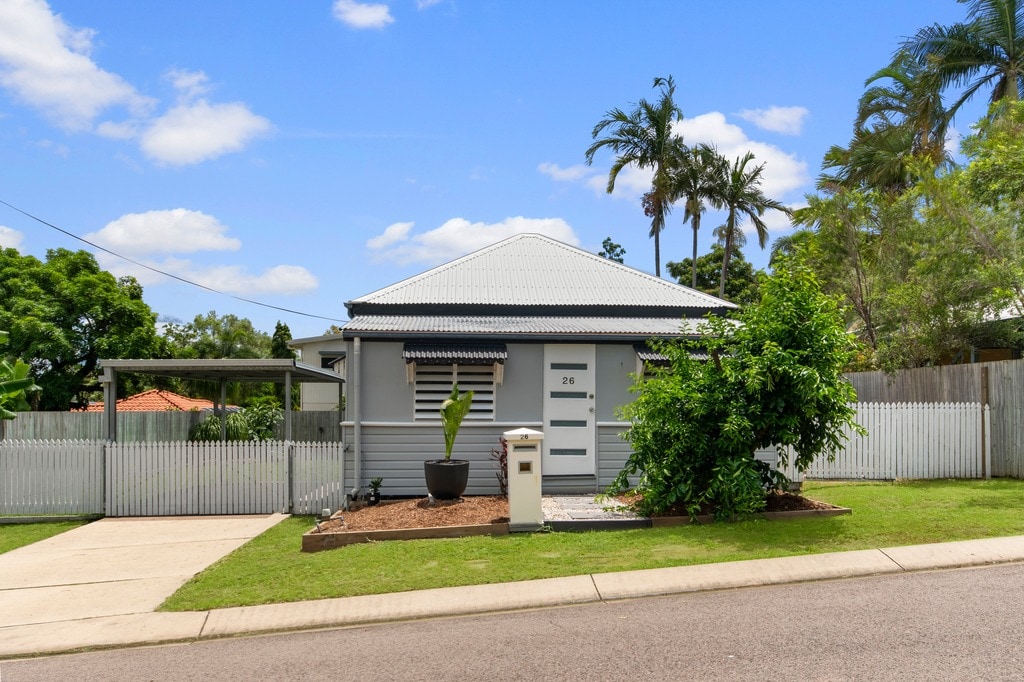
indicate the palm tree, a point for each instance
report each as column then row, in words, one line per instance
column 743, row 196
column 643, row 137
column 900, row 122
column 987, row 51
column 911, row 98
column 698, row 174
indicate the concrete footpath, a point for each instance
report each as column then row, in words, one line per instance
column 40, row 614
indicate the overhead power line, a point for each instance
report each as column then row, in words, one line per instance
column 162, row 272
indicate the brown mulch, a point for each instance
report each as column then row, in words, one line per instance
column 475, row 510
column 421, row 513
column 774, row 502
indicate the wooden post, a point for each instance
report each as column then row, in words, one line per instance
column 984, row 404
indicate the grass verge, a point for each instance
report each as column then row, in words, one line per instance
column 271, row 569
column 17, row 535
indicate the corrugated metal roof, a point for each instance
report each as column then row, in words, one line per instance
column 534, row 270
column 462, row 353
column 512, row 326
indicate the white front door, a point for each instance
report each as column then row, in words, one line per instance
column 570, row 429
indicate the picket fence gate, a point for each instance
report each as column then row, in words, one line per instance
column 911, row 440
column 169, row 479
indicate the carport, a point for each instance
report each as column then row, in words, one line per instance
column 279, row 371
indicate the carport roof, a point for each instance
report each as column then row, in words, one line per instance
column 230, row 370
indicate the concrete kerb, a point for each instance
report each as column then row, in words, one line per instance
column 152, row 628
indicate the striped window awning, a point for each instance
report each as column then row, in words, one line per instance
column 455, row 353
column 656, row 359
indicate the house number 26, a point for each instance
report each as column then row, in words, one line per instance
column 568, row 380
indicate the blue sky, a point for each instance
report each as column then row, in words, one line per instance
column 302, row 154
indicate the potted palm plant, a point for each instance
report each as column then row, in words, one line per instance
column 374, row 496
column 447, row 478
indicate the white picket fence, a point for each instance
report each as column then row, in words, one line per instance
column 911, row 440
column 174, row 478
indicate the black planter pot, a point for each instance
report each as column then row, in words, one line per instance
column 446, row 478
column 372, row 498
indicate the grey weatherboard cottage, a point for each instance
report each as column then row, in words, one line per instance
column 546, row 334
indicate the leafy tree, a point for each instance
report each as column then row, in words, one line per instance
column 212, row 336
column 611, row 250
column 742, row 195
column 775, row 379
column 985, row 51
column 279, row 349
column 643, row 137
column 698, row 175
column 741, row 285
column 64, row 314
column 996, row 171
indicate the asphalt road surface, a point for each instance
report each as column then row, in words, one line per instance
column 965, row 624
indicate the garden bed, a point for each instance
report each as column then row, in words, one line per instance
column 488, row 515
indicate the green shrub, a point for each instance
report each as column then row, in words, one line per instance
column 774, row 379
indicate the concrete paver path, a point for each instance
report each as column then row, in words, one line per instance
column 115, row 567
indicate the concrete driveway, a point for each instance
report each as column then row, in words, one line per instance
column 115, row 567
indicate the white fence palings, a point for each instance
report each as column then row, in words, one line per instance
column 161, row 479
column 44, row 477
column 911, row 440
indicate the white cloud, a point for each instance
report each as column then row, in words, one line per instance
column 458, row 236
column 424, row 4
column 784, row 120
column 10, row 238
column 280, row 279
column 189, row 84
column 199, row 131
column 157, row 238
column 47, row 64
column 782, row 173
column 175, row 231
column 397, row 232
column 570, row 174
column 362, row 14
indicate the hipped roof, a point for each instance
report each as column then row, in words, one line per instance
column 534, row 273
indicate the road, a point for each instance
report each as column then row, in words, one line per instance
column 955, row 624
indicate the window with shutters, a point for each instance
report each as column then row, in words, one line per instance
column 433, row 384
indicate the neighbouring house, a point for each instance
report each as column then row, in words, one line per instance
column 548, row 337
column 158, row 400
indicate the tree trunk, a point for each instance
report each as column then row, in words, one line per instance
column 696, row 226
column 725, row 264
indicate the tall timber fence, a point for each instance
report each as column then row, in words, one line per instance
column 43, row 477
column 1000, row 385
column 152, row 427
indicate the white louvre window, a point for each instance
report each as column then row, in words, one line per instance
column 433, row 385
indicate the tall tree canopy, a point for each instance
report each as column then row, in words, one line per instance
column 986, row 51
column 643, row 137
column 64, row 314
column 741, row 285
column 742, row 196
column 698, row 176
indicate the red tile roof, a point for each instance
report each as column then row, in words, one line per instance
column 155, row 400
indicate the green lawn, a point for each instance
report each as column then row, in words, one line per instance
column 272, row 569
column 17, row 535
